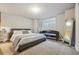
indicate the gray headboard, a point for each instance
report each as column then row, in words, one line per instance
column 13, row 29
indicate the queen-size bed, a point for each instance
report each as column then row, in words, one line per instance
column 24, row 38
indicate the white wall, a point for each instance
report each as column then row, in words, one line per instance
column 35, row 25
column 60, row 23
column 77, row 26
column 13, row 21
column 70, row 13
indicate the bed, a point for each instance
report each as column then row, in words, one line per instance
column 22, row 41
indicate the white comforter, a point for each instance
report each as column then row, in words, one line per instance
column 20, row 39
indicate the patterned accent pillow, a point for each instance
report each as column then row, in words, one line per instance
column 25, row 31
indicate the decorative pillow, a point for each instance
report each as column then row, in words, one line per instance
column 25, row 32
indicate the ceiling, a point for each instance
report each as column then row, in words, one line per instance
column 45, row 9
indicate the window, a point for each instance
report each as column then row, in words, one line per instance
column 48, row 24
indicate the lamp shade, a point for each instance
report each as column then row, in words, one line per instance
column 5, row 28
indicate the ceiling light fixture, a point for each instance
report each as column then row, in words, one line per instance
column 35, row 9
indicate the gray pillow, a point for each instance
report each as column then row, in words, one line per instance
column 25, row 32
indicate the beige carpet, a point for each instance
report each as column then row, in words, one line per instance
column 50, row 47
column 6, row 48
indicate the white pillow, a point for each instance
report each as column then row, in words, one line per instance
column 30, row 31
column 17, row 32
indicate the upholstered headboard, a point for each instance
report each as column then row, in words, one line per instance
column 16, row 29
